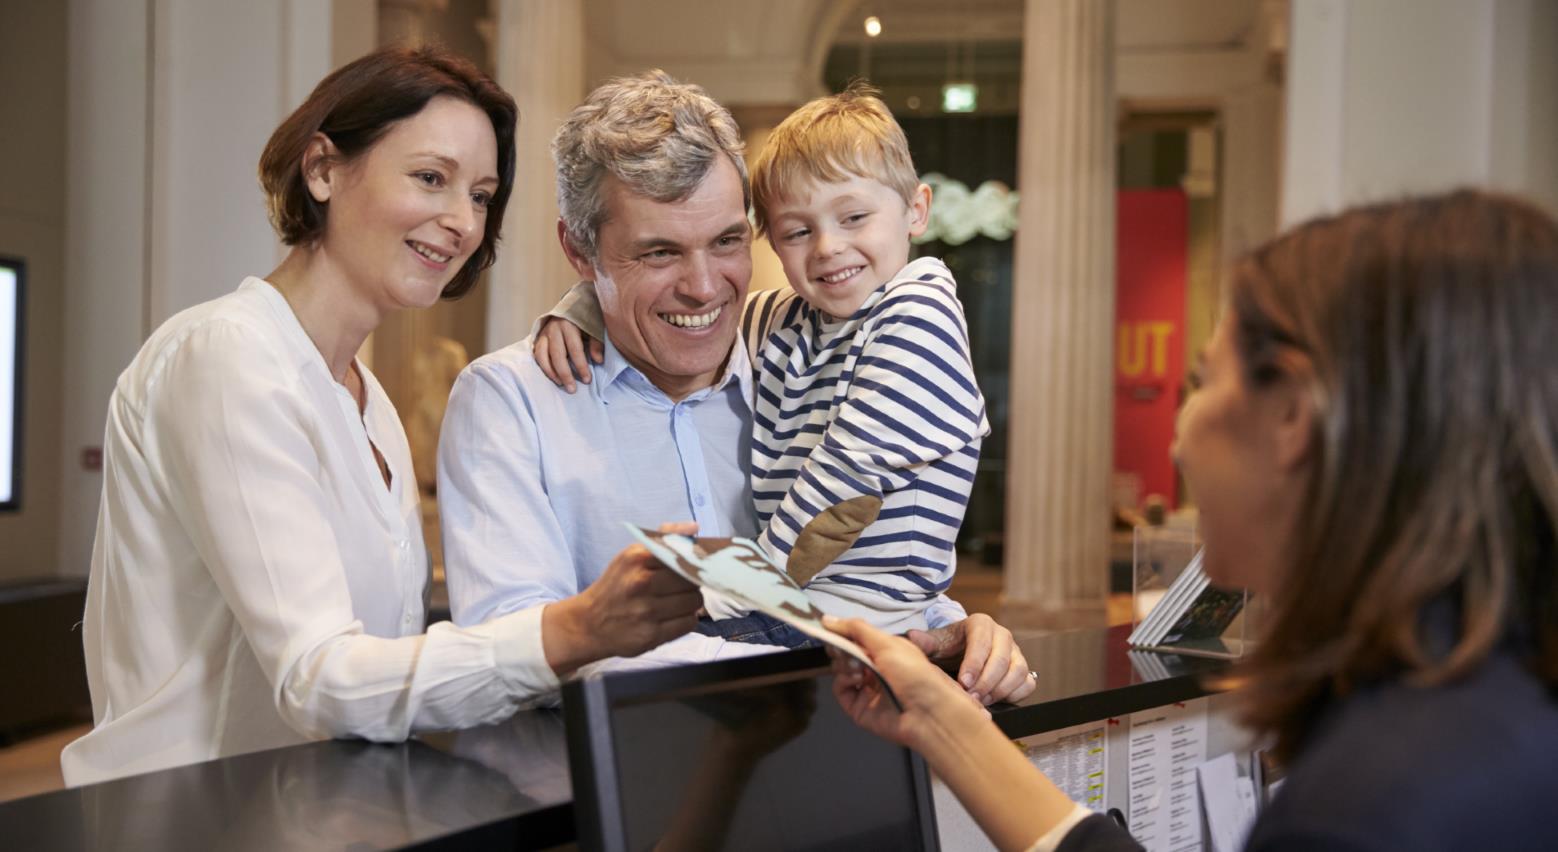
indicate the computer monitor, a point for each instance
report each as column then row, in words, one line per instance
column 751, row 754
column 12, row 316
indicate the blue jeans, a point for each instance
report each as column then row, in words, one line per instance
column 757, row 628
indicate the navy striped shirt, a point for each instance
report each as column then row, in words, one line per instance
column 879, row 404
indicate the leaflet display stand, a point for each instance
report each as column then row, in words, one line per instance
column 1174, row 607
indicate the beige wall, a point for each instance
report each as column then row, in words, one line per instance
column 1392, row 97
column 170, row 102
column 32, row 226
column 1525, row 105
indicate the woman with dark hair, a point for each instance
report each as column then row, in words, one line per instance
column 1373, row 445
column 258, row 577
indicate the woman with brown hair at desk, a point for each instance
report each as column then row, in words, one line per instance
column 1373, row 445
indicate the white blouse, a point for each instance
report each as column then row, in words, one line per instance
column 254, row 584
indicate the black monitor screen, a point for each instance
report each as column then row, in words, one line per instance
column 754, row 762
column 11, row 282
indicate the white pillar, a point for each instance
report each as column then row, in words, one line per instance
column 540, row 61
column 1060, row 454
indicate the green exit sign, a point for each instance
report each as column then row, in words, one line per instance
column 959, row 97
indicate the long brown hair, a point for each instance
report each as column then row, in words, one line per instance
column 1427, row 334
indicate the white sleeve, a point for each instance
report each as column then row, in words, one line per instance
column 244, row 480
column 1050, row 840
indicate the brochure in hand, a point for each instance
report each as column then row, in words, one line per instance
column 738, row 568
column 1192, row 610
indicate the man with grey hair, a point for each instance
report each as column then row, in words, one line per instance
column 534, row 483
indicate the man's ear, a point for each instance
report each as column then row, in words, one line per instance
column 919, row 210
column 321, row 160
column 581, row 265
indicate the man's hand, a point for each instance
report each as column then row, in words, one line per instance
column 637, row 605
column 560, row 349
column 993, row 668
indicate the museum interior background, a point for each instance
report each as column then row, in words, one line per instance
column 1097, row 165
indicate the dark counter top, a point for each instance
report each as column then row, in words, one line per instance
column 503, row 786
column 443, row 792
column 1087, row 675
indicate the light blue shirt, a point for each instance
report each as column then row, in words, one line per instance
column 534, row 483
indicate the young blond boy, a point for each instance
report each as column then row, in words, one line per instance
column 867, row 419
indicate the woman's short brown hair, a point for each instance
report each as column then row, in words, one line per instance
column 1424, row 332
column 354, row 106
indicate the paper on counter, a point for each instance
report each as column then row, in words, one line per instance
column 1228, row 801
column 738, row 568
column 1165, row 745
column 1076, row 759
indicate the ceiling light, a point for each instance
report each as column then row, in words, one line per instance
column 873, row 26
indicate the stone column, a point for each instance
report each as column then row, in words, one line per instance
column 540, row 61
column 1061, row 427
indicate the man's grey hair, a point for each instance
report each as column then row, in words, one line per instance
column 657, row 136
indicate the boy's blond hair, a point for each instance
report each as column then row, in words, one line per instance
column 831, row 139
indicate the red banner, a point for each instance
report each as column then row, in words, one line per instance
column 1149, row 361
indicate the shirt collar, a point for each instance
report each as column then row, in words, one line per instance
column 615, row 371
column 306, row 356
column 305, row 353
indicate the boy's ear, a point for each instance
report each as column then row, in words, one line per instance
column 919, row 210
column 320, row 160
column 580, row 264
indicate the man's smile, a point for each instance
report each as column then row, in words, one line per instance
column 703, row 320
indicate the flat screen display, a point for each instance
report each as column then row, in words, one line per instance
column 10, row 380
column 752, row 764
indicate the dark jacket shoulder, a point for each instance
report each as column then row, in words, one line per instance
column 1471, row 764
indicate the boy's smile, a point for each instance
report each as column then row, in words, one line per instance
column 840, row 241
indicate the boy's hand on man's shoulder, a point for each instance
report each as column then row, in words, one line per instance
column 564, row 352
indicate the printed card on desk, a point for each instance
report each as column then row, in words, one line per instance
column 1206, row 617
column 738, row 567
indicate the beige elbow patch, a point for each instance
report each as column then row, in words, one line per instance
column 830, row 534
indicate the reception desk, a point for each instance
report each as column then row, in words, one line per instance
column 504, row 786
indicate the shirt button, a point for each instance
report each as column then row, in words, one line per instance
column 698, row 500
